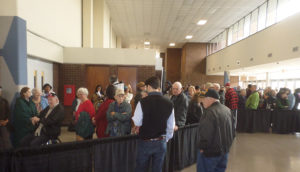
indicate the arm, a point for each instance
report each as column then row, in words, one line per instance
column 182, row 110
column 138, row 115
column 110, row 117
column 254, row 101
column 55, row 118
column 124, row 116
column 21, row 114
column 170, row 126
column 206, row 130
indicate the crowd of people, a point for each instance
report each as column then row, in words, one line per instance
column 115, row 111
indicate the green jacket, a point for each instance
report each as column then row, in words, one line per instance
column 84, row 126
column 282, row 103
column 252, row 101
column 121, row 121
column 23, row 112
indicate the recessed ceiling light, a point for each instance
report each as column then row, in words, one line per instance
column 201, row 22
column 147, row 43
column 172, row 44
column 189, row 37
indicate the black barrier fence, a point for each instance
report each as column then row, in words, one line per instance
column 280, row 121
column 105, row 155
column 119, row 154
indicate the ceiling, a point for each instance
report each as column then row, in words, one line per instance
column 165, row 21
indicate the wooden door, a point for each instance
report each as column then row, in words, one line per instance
column 129, row 76
column 97, row 75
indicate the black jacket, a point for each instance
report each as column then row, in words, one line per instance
column 53, row 122
column 215, row 130
column 180, row 108
column 194, row 113
column 242, row 102
column 222, row 97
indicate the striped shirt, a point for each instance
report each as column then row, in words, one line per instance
column 232, row 99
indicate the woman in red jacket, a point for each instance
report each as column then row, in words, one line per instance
column 85, row 106
column 101, row 121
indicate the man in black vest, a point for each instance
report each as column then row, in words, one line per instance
column 154, row 120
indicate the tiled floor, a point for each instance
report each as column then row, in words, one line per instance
column 252, row 153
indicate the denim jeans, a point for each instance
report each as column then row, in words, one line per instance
column 150, row 149
column 211, row 164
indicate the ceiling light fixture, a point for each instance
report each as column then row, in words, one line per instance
column 189, row 37
column 201, row 22
column 172, row 44
column 147, row 43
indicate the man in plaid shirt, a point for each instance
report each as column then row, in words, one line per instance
column 231, row 101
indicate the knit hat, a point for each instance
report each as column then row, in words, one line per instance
column 227, row 84
column 212, row 93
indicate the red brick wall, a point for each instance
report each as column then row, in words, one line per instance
column 74, row 74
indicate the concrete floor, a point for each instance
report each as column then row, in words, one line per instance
column 252, row 152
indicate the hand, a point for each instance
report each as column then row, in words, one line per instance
column 94, row 121
column 175, row 128
column 35, row 120
column 112, row 113
column 136, row 130
column 3, row 122
column 201, row 150
column 124, row 113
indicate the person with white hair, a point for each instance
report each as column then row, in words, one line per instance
column 221, row 92
column 40, row 101
column 180, row 102
column 49, row 124
column 85, row 106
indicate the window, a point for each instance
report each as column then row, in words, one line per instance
column 230, row 35
column 297, row 84
column 290, row 84
column 262, row 16
column 281, row 84
column 271, row 12
column 224, row 38
column 254, row 16
column 235, row 32
column 274, row 84
column 241, row 29
column 247, row 26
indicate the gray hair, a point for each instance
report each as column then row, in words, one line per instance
column 178, row 84
column 217, row 85
column 83, row 91
column 35, row 90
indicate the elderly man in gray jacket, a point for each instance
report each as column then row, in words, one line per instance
column 215, row 135
column 181, row 103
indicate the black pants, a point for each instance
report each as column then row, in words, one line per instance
column 32, row 140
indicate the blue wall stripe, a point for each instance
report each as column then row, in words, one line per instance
column 15, row 51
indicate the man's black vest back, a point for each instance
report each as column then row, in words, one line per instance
column 156, row 112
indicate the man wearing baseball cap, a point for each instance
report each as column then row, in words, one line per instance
column 215, row 134
column 49, row 125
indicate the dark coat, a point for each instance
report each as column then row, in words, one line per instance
column 52, row 123
column 23, row 112
column 180, row 108
column 215, row 130
column 194, row 113
column 121, row 120
column 242, row 102
column 4, row 109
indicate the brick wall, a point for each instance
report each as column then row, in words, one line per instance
column 74, row 74
column 144, row 72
